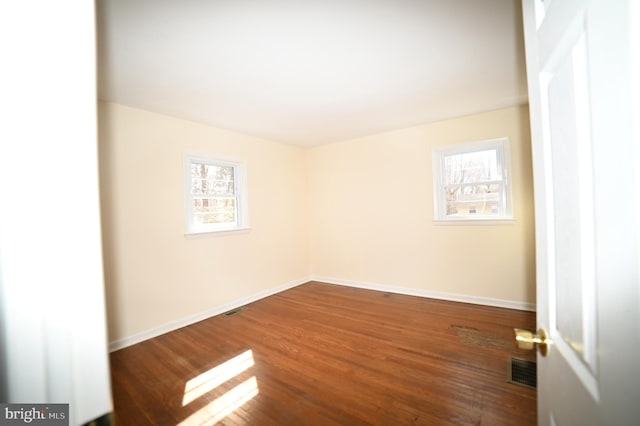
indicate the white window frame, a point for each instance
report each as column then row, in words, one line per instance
column 242, row 210
column 501, row 145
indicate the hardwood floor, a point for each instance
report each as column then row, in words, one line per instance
column 321, row 354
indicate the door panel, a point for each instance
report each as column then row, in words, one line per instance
column 578, row 64
column 567, row 98
column 53, row 341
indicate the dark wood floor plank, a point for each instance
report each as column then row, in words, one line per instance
column 332, row 355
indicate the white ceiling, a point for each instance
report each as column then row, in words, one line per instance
column 310, row 72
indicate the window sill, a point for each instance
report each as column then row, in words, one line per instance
column 220, row 233
column 487, row 222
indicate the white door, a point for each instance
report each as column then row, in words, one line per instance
column 53, row 343
column 583, row 84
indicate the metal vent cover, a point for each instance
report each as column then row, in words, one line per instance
column 522, row 372
column 234, row 311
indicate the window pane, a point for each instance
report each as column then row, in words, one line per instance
column 210, row 179
column 471, row 167
column 215, row 210
column 481, row 200
column 470, row 181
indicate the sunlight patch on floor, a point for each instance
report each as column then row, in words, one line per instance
column 216, row 376
column 224, row 405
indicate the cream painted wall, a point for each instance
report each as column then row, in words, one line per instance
column 358, row 210
column 371, row 212
column 154, row 274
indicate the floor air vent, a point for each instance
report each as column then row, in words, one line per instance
column 522, row 372
column 234, row 311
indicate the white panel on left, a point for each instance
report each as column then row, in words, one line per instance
column 51, row 280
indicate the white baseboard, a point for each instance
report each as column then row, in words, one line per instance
column 453, row 297
column 217, row 310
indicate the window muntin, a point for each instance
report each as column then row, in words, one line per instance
column 214, row 195
column 470, row 181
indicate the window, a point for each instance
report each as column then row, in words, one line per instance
column 215, row 195
column 471, row 181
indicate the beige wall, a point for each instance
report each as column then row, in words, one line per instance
column 154, row 274
column 371, row 213
column 357, row 210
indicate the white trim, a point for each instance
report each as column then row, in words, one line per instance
column 242, row 206
column 220, row 233
column 453, row 297
column 466, row 221
column 503, row 151
column 192, row 319
column 217, row 310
